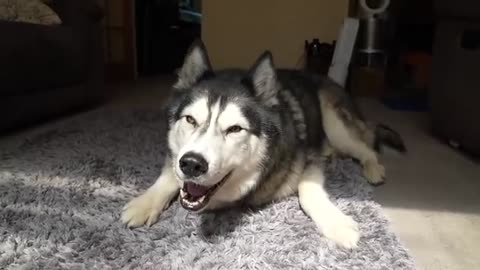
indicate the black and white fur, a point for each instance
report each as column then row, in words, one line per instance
column 254, row 136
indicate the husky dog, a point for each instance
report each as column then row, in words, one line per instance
column 255, row 136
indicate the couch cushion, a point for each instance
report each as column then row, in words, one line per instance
column 29, row 11
column 37, row 57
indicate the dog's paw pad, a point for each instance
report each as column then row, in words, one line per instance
column 140, row 211
column 343, row 231
column 374, row 172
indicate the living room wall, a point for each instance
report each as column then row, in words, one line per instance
column 235, row 32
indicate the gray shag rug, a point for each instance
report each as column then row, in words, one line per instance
column 62, row 190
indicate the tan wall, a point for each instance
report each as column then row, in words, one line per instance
column 237, row 31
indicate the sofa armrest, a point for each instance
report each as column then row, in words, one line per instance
column 77, row 12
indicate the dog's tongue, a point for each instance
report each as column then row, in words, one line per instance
column 195, row 190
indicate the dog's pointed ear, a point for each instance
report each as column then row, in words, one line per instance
column 195, row 65
column 264, row 79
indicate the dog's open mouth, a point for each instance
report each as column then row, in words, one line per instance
column 195, row 197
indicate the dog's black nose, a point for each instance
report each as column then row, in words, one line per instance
column 193, row 165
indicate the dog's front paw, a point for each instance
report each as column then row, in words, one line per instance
column 343, row 230
column 374, row 172
column 143, row 209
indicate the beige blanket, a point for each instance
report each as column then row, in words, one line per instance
column 28, row 11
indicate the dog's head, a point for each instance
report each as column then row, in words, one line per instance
column 221, row 127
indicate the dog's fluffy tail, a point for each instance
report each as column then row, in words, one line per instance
column 384, row 135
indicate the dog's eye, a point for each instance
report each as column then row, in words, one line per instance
column 234, row 129
column 191, row 120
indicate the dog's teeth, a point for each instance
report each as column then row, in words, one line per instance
column 183, row 193
column 192, row 204
column 201, row 199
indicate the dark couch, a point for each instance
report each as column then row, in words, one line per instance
column 47, row 71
